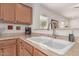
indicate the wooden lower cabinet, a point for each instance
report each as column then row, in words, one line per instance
column 9, row 50
column 18, row 47
column 27, row 49
column 21, row 49
column 24, row 52
column 8, row 47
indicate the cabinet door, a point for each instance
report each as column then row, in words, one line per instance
column 9, row 50
column 28, row 47
column 29, row 15
column 21, row 15
column 21, row 49
column 1, row 53
column 8, row 12
column 18, row 47
column 24, row 52
column 38, row 53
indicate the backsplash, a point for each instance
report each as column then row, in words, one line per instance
column 12, row 28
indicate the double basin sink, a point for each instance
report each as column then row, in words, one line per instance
column 55, row 45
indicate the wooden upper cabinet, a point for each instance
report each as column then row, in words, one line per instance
column 23, row 14
column 15, row 13
column 8, row 12
column 20, row 13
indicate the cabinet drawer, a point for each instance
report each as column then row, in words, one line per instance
column 7, row 42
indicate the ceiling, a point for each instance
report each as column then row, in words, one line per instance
column 69, row 10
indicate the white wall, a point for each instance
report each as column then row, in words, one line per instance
column 36, row 16
column 37, row 10
column 53, row 15
column 50, row 14
column 74, row 23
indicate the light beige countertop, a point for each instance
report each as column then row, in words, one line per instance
column 74, row 51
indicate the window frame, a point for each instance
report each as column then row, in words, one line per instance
column 46, row 20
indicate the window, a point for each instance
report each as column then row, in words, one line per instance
column 43, row 22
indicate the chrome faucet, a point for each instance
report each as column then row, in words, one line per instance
column 53, row 25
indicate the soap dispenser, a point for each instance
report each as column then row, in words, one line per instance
column 71, row 37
